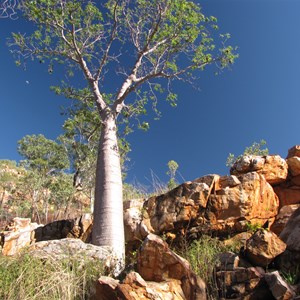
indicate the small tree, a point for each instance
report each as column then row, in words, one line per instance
column 134, row 45
column 254, row 149
column 173, row 166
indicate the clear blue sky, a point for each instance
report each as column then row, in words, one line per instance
column 258, row 99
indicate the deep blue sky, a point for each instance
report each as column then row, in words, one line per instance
column 257, row 99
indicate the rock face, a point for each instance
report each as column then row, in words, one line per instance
column 70, row 247
column 263, row 247
column 134, row 287
column 161, row 275
column 237, row 279
column 279, row 288
column 272, row 167
column 282, row 218
column 224, row 205
column 19, row 235
column 80, row 228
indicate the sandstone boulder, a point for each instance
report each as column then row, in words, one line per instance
column 134, row 287
column 282, row 218
column 263, row 247
column 291, row 233
column 80, row 228
column 294, row 151
column 279, row 288
column 20, row 235
column 156, row 262
column 272, row 167
column 294, row 165
column 224, row 205
column 287, row 193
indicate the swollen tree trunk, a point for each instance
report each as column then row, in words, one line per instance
column 108, row 228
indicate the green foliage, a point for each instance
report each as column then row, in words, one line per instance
column 42, row 154
column 203, row 254
column 172, row 169
column 253, row 227
column 26, row 277
column 254, row 149
column 292, row 276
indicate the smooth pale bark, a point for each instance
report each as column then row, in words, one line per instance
column 108, row 228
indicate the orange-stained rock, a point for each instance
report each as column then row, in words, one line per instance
column 210, row 204
column 291, row 233
column 134, row 287
column 294, row 165
column 252, row 201
column 272, row 167
column 21, row 235
column 156, row 262
column 282, row 218
column 278, row 287
column 294, row 151
column 288, row 194
column 178, row 206
column 263, row 247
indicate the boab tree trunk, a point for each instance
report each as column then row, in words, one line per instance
column 108, row 228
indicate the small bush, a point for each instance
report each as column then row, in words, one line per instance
column 28, row 278
column 203, row 254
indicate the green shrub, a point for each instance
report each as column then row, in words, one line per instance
column 203, row 256
column 254, row 149
column 29, row 278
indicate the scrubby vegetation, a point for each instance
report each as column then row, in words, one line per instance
column 29, row 278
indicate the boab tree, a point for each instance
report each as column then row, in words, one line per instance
column 125, row 49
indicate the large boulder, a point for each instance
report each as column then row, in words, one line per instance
column 17, row 236
column 221, row 204
column 282, row 218
column 279, row 288
column 134, row 287
column 263, row 247
column 79, row 228
column 156, row 262
column 272, row 167
column 162, row 275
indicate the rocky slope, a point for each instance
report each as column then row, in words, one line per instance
column 260, row 193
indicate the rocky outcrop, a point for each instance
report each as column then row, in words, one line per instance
column 282, row 218
column 238, row 279
column 272, row 167
column 22, row 233
column 80, row 228
column 161, row 275
column 224, row 205
column 17, row 236
column 263, row 247
column 70, row 247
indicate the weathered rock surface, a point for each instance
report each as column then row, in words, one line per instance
column 134, row 287
column 156, row 262
column 294, row 151
column 20, row 235
column 70, row 247
column 162, row 275
column 212, row 204
column 291, row 233
column 282, row 218
column 237, row 279
column 294, row 165
column 272, row 167
column 263, row 247
column 279, row 288
column 80, row 228
column 287, row 193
